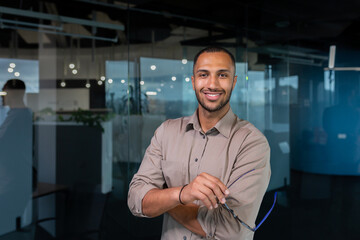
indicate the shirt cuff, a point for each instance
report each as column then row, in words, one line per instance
column 139, row 197
column 206, row 219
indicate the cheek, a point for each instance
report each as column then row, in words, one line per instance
column 197, row 85
column 227, row 86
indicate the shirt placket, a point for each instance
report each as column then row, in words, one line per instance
column 195, row 161
column 203, row 144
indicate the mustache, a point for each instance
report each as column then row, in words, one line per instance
column 214, row 90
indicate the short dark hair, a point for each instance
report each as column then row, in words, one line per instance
column 14, row 84
column 213, row 49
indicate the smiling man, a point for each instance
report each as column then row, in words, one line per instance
column 193, row 164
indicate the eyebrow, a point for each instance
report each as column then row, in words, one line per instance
column 202, row 70
column 221, row 70
column 224, row 70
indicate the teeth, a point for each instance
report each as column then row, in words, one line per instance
column 213, row 95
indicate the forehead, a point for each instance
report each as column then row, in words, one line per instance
column 214, row 60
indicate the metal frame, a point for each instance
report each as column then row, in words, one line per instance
column 56, row 18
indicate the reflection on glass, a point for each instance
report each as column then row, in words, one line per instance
column 28, row 69
column 265, row 103
column 333, row 146
column 117, row 88
column 171, row 81
column 16, row 160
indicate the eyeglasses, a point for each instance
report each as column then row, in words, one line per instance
column 238, row 219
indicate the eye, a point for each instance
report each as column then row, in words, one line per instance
column 223, row 75
column 203, row 75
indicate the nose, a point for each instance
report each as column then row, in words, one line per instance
column 213, row 82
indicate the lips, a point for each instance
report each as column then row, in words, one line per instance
column 212, row 96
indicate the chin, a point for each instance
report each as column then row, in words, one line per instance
column 212, row 108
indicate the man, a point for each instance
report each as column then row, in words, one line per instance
column 16, row 158
column 191, row 162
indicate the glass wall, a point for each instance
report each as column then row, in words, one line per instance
column 98, row 83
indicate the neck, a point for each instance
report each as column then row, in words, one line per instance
column 16, row 104
column 208, row 119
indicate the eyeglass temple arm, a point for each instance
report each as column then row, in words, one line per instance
column 237, row 218
column 268, row 213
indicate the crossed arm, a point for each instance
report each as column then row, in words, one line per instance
column 147, row 198
column 204, row 187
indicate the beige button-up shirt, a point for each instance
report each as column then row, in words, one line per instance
column 180, row 150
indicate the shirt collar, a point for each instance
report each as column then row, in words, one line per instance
column 193, row 122
column 224, row 125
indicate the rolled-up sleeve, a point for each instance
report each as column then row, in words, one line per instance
column 245, row 195
column 149, row 175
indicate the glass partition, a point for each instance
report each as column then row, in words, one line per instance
column 100, row 80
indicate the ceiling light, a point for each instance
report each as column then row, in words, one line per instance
column 122, row 81
column 110, row 81
column 102, row 78
column 153, row 67
column 74, row 71
column 142, row 82
column 3, row 93
column 150, row 93
column 10, row 70
column 62, row 84
column 12, row 65
column 332, row 56
column 173, row 78
column 87, row 85
column 184, row 61
column 71, row 66
column 100, row 82
column 17, row 74
column 187, row 79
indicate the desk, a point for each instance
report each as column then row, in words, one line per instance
column 44, row 189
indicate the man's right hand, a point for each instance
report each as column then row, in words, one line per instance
column 207, row 189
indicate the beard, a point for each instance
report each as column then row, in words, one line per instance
column 216, row 108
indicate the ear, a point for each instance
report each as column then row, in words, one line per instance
column 234, row 82
column 193, row 82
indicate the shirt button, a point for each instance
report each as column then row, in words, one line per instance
column 196, row 159
column 203, row 136
column 184, row 237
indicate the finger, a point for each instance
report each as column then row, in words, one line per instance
column 204, row 199
column 197, row 190
column 220, row 184
column 208, row 195
column 217, row 192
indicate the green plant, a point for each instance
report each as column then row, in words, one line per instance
column 86, row 117
column 43, row 113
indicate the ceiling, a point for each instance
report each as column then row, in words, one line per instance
column 261, row 24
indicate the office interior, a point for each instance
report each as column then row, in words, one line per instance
column 102, row 75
